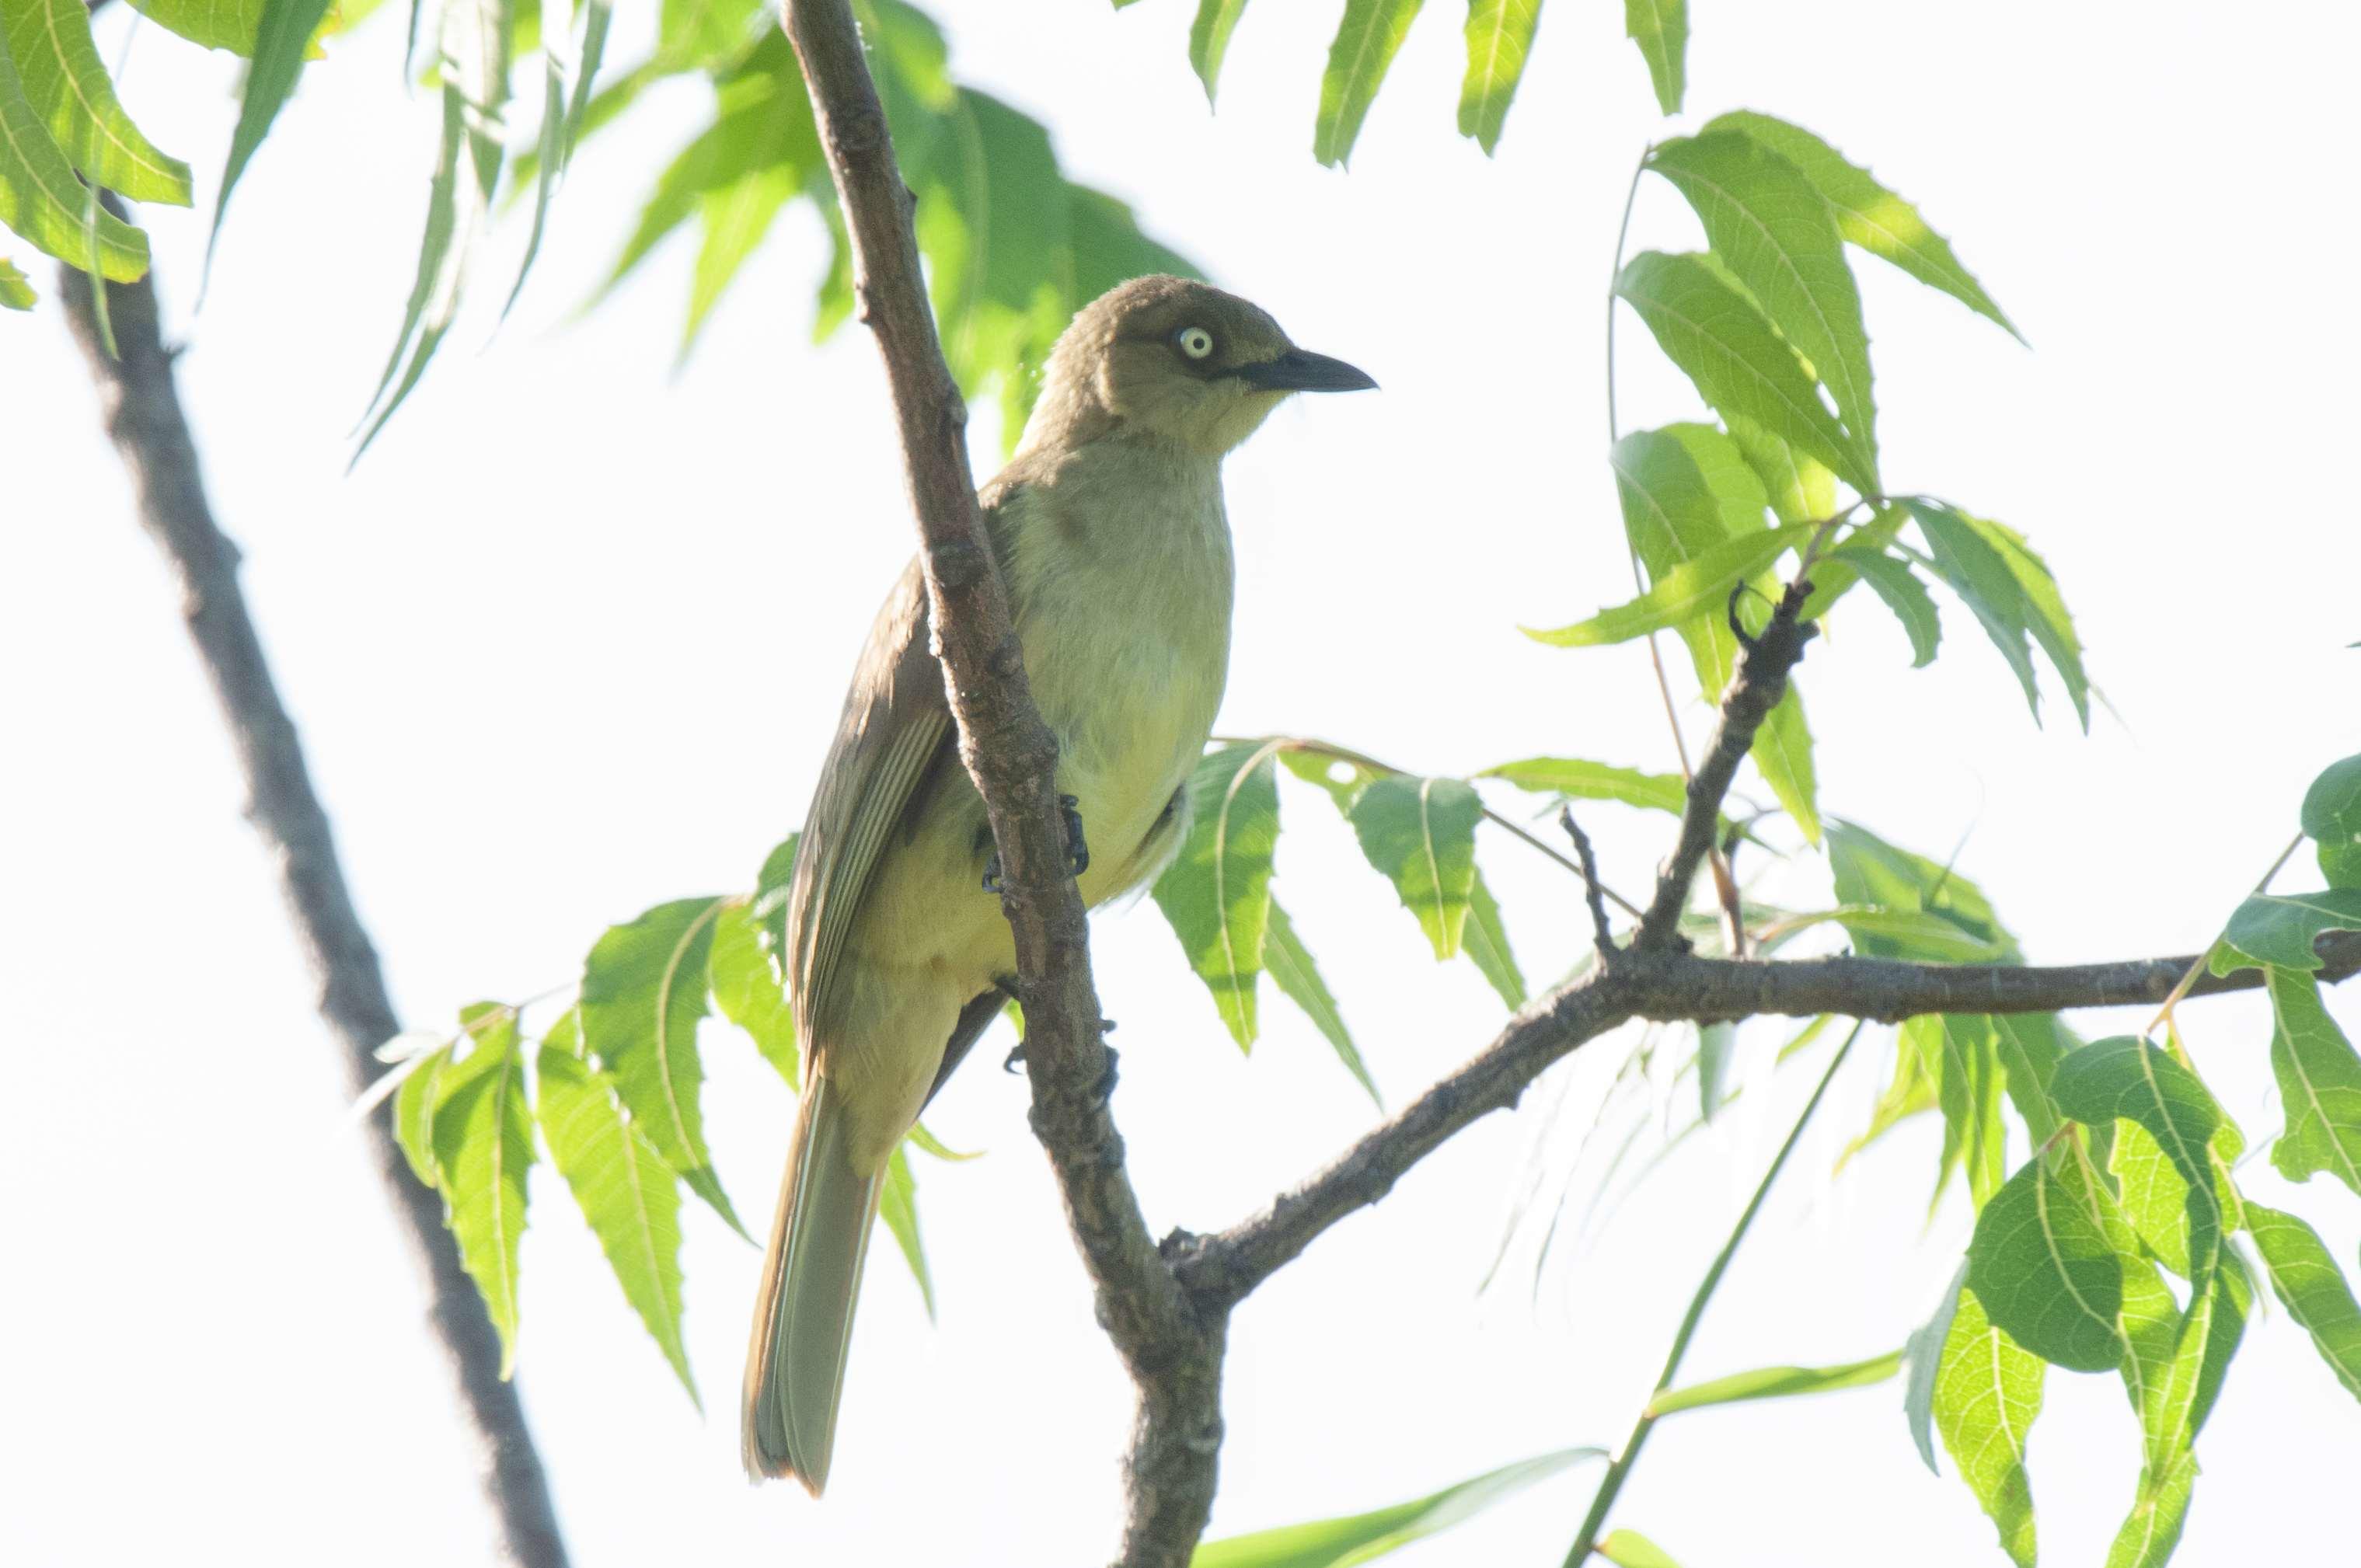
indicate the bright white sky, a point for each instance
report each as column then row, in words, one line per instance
column 572, row 640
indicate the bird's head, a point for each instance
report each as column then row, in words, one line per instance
column 1177, row 360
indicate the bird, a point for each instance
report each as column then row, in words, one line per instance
column 1108, row 528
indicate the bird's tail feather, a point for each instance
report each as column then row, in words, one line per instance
column 811, row 1279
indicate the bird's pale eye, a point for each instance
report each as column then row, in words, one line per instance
column 1195, row 342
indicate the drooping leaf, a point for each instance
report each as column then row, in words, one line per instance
column 1716, row 1045
column 2044, row 610
column 41, row 199
column 1673, row 514
column 1967, row 1088
column 1867, row 214
column 746, row 988
column 1629, row 1549
column 73, row 99
column 2279, row 929
column 1931, row 938
column 2320, row 1083
column 2127, row 1079
column 1290, row 965
column 279, row 54
column 1216, row 893
column 1987, row 1394
column 898, row 1210
column 1661, row 28
column 1594, row 781
column 2148, row 1537
column 2049, row 1261
column 1783, row 754
column 625, row 1191
column 2331, row 815
column 1721, row 342
column 483, row 1146
column 772, row 884
column 1923, row 1355
column 1769, row 228
column 1870, row 870
column 1422, row 834
column 1904, row 594
column 1363, row 1538
column 1776, row 1383
column 1693, row 588
column 1981, row 577
column 644, row 991
column 1499, row 36
column 1209, row 39
column 2308, row 1284
column 1357, row 58
column 1486, row 938
column 413, row 1113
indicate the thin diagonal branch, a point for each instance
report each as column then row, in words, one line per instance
column 141, row 407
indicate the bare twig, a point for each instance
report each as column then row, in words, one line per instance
column 142, row 410
column 1600, row 933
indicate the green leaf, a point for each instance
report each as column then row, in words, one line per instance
column 1923, row 1354
column 278, row 53
column 1904, row 594
column 442, row 270
column 773, row 885
column 41, row 199
column 1661, row 28
column 1486, row 938
column 706, row 32
column 1867, row 214
column 747, row 991
column 15, row 289
column 1776, row 1383
column 1721, row 342
column 897, row 1209
column 1363, row 1538
column 2044, row 611
column 2307, row 1283
column 2278, row 929
column 2331, row 815
column 1987, row 1395
column 625, row 1191
column 1357, row 58
column 1209, row 39
column 2126, row 1078
column 644, row 990
column 1869, row 871
column 1927, row 934
column 1673, row 514
column 483, row 1146
column 1715, row 1042
column 1982, row 579
column 2320, row 1082
column 1216, row 892
column 1499, row 36
column 1299, row 979
column 1783, row 754
column 2153, row 1531
column 1766, row 223
column 1422, row 834
column 1800, row 488
column 1695, row 588
column 1629, row 1549
column 413, row 1113
column 1594, row 781
column 2049, row 1261
column 1968, row 1087
column 229, row 25
column 73, row 98
column 1342, row 780
column 2030, row 1046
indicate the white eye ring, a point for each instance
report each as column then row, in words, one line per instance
column 1195, row 342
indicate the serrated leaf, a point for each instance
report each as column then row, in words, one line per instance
column 1867, row 214
column 897, row 1210
column 483, row 1146
column 2050, row 1259
column 1594, row 781
column 1341, row 779
column 2320, row 1083
column 644, row 991
column 2278, row 929
column 1783, row 754
column 625, row 1191
column 1923, row 1354
column 41, row 199
column 1486, row 939
column 1987, row 1395
column 2044, row 610
column 280, row 50
column 1776, row 1383
column 1363, row 47
column 1363, row 1538
column 1290, row 965
column 1695, row 588
column 1500, row 38
column 1422, row 834
column 1209, row 39
column 1904, row 594
column 746, row 988
column 1721, row 342
column 73, row 98
column 413, row 1113
column 1216, row 892
column 1661, row 28
column 1629, row 1549
column 2331, row 815
column 1982, row 579
column 1770, row 228
column 2308, row 1284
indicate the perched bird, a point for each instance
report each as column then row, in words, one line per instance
column 1110, row 534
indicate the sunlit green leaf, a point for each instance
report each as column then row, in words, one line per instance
column 2320, row 1083
column 16, row 291
column 2307, row 1283
column 73, row 98
column 1968, row 1083
column 1923, row 1355
column 630, row 1197
column 1981, row 577
column 279, row 54
column 1594, row 781
column 1867, row 214
column 1783, row 754
column 897, row 1210
column 483, row 1146
column 2044, row 610
column 1357, row 58
column 644, row 990
column 1363, row 1538
column 413, row 1113
column 746, row 988
column 1216, row 893
column 1629, row 1549
column 1422, row 834
column 41, row 199
column 1987, row 1394
column 1499, row 36
column 2331, row 815
column 1904, row 594
column 229, row 25
column 2126, row 1078
column 1800, row 488
column 1693, row 588
column 2049, row 1262
column 773, row 886
column 1209, row 39
column 1673, row 514
column 2148, row 1537
column 1290, row 965
column 1661, row 28
column 706, row 32
column 1776, row 1383
column 2279, row 929
column 1486, row 938
column 1870, row 871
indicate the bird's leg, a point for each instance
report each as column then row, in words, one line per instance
column 1078, row 850
column 1104, row 1089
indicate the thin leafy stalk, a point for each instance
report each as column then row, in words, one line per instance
column 1617, row 1472
column 2164, row 1014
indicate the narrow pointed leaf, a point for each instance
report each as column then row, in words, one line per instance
column 2320, row 1083
column 1290, row 965
column 443, row 250
column 1594, row 781
column 41, row 199
column 1982, row 579
column 1923, row 1354
column 73, row 98
column 1363, row 1538
column 1673, row 514
column 413, row 1114
column 1987, row 1395
column 2279, row 929
column 2044, row 610
column 1486, row 939
column 1209, row 39
column 483, row 1146
column 1904, row 594
column 2149, row 1536
column 278, row 53
column 1357, row 58
column 2331, row 815
column 1694, row 588
column 625, row 1191
column 746, row 988
column 1776, row 1383
column 1216, row 893
column 550, row 148
column 1661, row 28
column 1499, row 36
column 1422, row 834
column 644, row 991
column 773, row 886
column 1783, row 754
column 898, row 1210
column 1629, row 1549
column 2313, row 1289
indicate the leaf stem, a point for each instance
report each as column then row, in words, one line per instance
column 1612, row 1482
column 2164, row 1014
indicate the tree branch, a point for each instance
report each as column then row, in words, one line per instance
column 1172, row 1354
column 142, row 411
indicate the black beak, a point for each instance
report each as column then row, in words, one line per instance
column 1296, row 371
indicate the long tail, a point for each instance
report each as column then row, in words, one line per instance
column 811, row 1278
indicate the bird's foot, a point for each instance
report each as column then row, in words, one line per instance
column 1014, row 1060
column 1104, row 1087
column 1078, row 852
column 993, row 881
